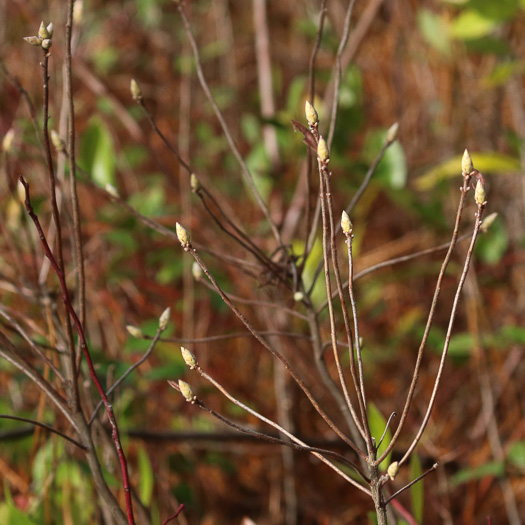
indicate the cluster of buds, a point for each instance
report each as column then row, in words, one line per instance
column 43, row 39
column 467, row 167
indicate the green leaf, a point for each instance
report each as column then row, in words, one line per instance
column 516, row 454
column 499, row 10
column 145, row 476
column 470, row 25
column 377, row 426
column 435, row 30
column 514, row 334
column 417, row 489
column 149, row 202
column 488, row 162
column 490, row 469
column 502, row 73
column 97, row 154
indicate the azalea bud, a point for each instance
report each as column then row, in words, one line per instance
column 392, row 470
column 346, row 223
column 46, row 44
column 42, row 31
column 391, row 134
column 479, row 194
column 311, row 115
column 186, row 391
column 135, row 332
column 189, row 358
column 196, row 271
column 322, row 150
column 33, row 40
column 112, row 190
column 7, row 142
column 466, row 163
column 195, row 183
column 57, row 142
column 182, row 234
column 136, row 92
column 164, row 319
column 488, row 222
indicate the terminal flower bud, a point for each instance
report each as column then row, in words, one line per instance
column 42, row 31
column 466, row 163
column 7, row 142
column 134, row 331
column 33, row 40
column 479, row 194
column 392, row 470
column 186, row 391
column 322, row 150
column 195, row 183
column 391, row 134
column 182, row 234
column 346, row 223
column 136, row 92
column 311, row 115
column 189, row 358
column 164, row 319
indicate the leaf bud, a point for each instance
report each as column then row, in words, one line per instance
column 479, row 194
column 136, row 92
column 322, row 150
column 195, row 183
column 186, row 391
column 135, row 332
column 393, row 470
column 7, row 142
column 164, row 319
column 488, row 221
column 196, row 271
column 346, row 223
column 182, row 234
column 311, row 115
column 189, row 358
column 42, row 31
column 50, row 30
column 391, row 134
column 33, row 40
column 466, row 163
column 46, row 44
column 57, row 142
column 112, row 190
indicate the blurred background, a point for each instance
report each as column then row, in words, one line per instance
column 449, row 72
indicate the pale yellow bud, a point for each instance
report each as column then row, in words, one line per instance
column 112, row 190
column 189, row 358
column 195, row 183
column 488, row 221
column 46, row 44
column 7, row 142
column 392, row 470
column 466, row 163
column 57, row 142
column 322, row 150
column 164, row 319
column 391, row 134
column 182, row 234
column 311, row 115
column 346, row 223
column 33, row 40
column 42, row 31
column 196, row 271
column 479, row 194
column 134, row 331
column 50, row 30
column 186, row 391
column 136, row 92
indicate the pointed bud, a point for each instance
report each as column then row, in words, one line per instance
column 164, row 319
column 186, row 391
column 195, row 183
column 21, row 191
column 391, row 134
column 189, row 358
column 7, row 142
column 57, row 142
column 46, row 44
column 322, row 150
column 136, row 92
column 196, row 271
column 182, row 234
column 42, row 31
column 112, row 190
column 488, row 222
column 393, row 470
column 346, row 223
column 466, row 163
column 311, row 115
column 50, row 30
column 78, row 12
column 135, row 332
column 479, row 194
column 33, row 40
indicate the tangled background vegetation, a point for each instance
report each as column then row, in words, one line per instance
column 450, row 73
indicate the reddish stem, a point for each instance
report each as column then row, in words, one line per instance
column 173, row 516
column 83, row 345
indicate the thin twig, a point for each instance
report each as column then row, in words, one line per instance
column 47, row 427
column 396, row 494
